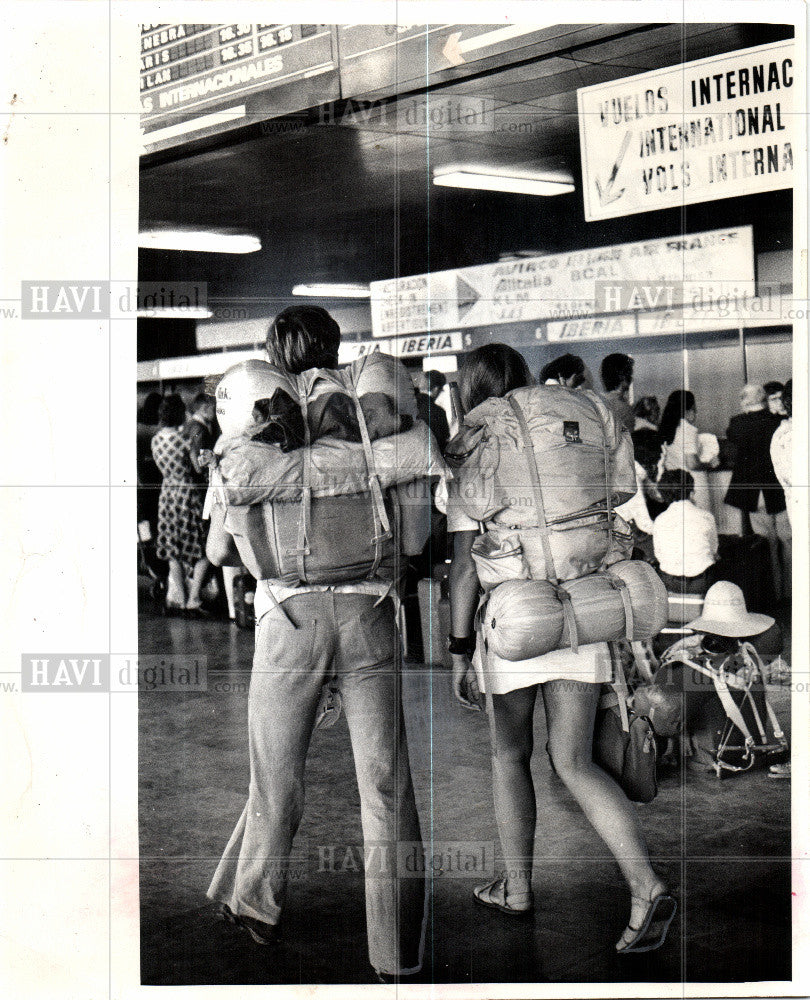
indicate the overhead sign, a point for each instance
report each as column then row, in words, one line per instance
column 699, row 131
column 646, row 275
column 591, row 328
column 404, row 347
column 186, row 67
column 383, row 57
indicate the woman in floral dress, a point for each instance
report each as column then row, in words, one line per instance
column 180, row 533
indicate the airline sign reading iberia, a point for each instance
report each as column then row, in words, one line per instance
column 700, row 131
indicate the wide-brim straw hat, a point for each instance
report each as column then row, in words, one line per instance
column 725, row 613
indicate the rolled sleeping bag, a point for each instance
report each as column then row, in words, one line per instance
column 257, row 472
column 382, row 373
column 239, row 388
column 526, row 618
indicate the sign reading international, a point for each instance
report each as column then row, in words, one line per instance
column 704, row 130
column 651, row 274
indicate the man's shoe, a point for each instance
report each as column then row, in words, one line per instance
column 261, row 932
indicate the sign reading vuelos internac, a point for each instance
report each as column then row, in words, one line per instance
column 559, row 286
column 699, row 131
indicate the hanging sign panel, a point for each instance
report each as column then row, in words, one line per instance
column 700, row 131
column 186, row 68
column 650, row 274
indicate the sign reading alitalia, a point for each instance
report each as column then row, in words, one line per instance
column 704, row 130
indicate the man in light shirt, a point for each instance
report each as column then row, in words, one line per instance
column 782, row 447
column 684, row 537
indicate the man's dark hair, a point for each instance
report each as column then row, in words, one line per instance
column 563, row 367
column 647, row 448
column 771, row 388
column 616, row 369
column 201, row 399
column 436, row 380
column 787, row 397
column 675, row 485
column 172, row 411
column 303, row 337
column 647, row 408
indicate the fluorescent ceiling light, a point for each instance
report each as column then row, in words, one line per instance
column 513, row 182
column 335, row 291
column 201, row 240
column 175, row 312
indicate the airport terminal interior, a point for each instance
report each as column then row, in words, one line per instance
column 437, row 189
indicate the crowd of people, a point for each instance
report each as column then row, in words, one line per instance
column 352, row 642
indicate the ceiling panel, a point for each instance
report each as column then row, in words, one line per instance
column 353, row 201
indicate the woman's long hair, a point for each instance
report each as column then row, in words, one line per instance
column 491, row 370
column 679, row 403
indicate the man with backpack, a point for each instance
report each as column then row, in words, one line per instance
column 312, row 640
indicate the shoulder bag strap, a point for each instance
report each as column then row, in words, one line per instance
column 620, row 684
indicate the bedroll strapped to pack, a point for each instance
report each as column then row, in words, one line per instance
column 527, row 618
column 321, row 526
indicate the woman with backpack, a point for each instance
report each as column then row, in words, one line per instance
column 571, row 685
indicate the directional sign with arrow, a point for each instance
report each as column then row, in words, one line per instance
column 607, row 194
column 455, row 48
column 467, row 296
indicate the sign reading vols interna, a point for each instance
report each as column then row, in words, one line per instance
column 700, row 131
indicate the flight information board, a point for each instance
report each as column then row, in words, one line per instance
column 186, row 67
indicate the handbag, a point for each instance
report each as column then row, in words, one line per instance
column 623, row 742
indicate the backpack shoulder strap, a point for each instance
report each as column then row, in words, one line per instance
column 531, row 463
column 382, row 523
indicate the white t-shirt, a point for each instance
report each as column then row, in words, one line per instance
column 782, row 459
column 685, row 539
column 635, row 509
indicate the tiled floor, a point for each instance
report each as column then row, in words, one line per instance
column 724, row 847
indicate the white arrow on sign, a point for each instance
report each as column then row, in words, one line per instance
column 454, row 48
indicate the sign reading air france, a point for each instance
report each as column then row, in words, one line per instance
column 649, row 274
column 700, row 131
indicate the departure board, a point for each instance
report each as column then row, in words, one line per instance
column 186, row 67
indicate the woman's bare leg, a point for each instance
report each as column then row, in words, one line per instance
column 570, row 714
column 513, row 789
column 176, row 589
column 197, row 582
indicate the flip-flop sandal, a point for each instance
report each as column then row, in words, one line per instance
column 651, row 934
column 493, row 895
